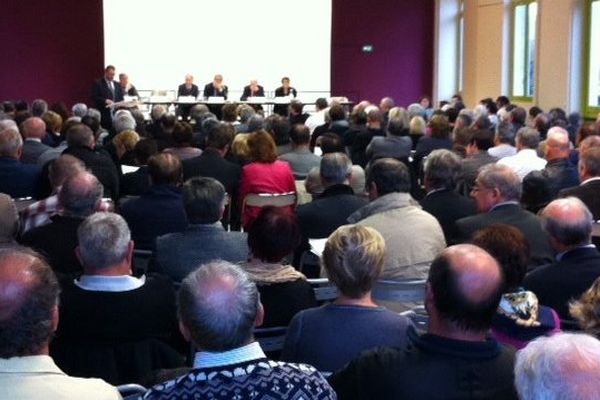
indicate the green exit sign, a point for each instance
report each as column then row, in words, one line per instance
column 367, row 48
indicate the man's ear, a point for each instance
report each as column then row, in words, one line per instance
column 260, row 315
column 185, row 332
column 78, row 255
column 55, row 318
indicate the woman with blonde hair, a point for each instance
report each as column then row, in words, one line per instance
column 330, row 336
column 586, row 310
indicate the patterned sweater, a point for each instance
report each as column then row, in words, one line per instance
column 256, row 379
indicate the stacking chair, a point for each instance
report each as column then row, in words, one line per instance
column 268, row 199
column 325, row 291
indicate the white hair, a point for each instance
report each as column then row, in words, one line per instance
column 103, row 240
column 123, row 122
column 565, row 366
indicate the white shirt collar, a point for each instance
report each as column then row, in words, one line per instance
column 249, row 352
column 595, row 178
column 99, row 283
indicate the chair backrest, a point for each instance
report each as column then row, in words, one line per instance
column 269, row 199
column 140, row 261
column 405, row 291
column 325, row 291
column 596, row 229
column 271, row 339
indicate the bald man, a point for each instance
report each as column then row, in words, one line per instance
column 33, row 131
column 454, row 359
column 28, row 318
column 79, row 197
column 541, row 187
column 569, row 225
column 187, row 88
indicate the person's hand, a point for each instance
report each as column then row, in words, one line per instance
column 109, row 102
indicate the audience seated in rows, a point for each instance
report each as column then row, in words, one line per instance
column 29, row 316
column 284, row 291
column 413, row 236
column 353, row 261
column 497, row 192
column 455, row 358
column 159, row 210
column 219, row 306
column 177, row 254
column 113, row 325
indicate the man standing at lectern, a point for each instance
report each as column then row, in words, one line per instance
column 105, row 92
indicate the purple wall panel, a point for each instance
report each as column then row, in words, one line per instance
column 50, row 49
column 401, row 65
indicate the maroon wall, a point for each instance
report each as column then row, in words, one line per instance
column 55, row 49
column 50, row 49
column 401, row 65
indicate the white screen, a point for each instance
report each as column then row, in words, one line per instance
column 157, row 43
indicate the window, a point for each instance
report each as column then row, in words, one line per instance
column 592, row 89
column 523, row 49
column 461, row 46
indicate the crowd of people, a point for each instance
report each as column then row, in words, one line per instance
column 493, row 206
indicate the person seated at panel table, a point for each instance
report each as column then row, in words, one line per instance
column 252, row 90
column 216, row 88
column 187, row 89
column 284, row 90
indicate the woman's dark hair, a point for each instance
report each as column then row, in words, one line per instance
column 274, row 234
column 510, row 248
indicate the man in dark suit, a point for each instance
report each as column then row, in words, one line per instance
column 252, row 90
column 137, row 182
column 541, row 187
column 33, row 130
column 577, row 265
column 80, row 142
column 17, row 179
column 589, row 174
column 159, row 209
column 322, row 216
column 211, row 163
column 497, row 192
column 216, row 88
column 105, row 92
column 441, row 171
column 283, row 91
column 204, row 240
column 187, row 89
column 127, row 88
column 78, row 197
column 477, row 156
